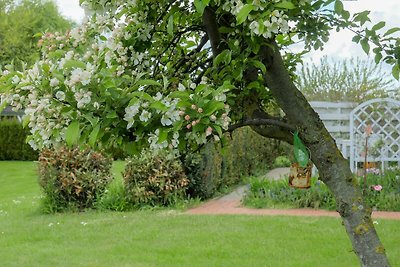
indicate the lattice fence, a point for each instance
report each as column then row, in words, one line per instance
column 383, row 117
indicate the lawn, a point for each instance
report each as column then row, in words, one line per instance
column 164, row 238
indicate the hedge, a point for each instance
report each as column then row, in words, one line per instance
column 13, row 144
column 216, row 168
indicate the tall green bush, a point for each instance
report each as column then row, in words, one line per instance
column 13, row 144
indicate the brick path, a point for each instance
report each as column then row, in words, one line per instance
column 230, row 204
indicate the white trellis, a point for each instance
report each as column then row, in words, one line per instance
column 383, row 116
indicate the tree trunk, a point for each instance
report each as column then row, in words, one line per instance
column 333, row 168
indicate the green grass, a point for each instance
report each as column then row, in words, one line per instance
column 164, row 238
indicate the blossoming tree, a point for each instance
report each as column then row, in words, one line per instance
column 174, row 73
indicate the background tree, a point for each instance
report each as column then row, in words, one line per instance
column 20, row 21
column 139, row 74
column 352, row 80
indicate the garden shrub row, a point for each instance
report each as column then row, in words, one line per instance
column 13, row 144
column 382, row 193
column 79, row 179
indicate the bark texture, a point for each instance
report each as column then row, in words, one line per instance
column 333, row 168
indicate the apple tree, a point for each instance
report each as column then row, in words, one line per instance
column 171, row 74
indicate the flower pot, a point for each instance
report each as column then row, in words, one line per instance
column 300, row 177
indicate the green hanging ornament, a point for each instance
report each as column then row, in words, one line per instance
column 300, row 151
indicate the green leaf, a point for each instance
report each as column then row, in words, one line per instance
column 378, row 57
column 39, row 34
column 131, row 148
column 25, row 120
column 396, row 72
column 339, row 7
column 258, row 64
column 141, row 95
column 356, row 39
column 213, row 106
column 56, row 54
column 93, row 135
column 243, row 13
column 218, row 129
column 391, row 31
column 201, row 5
column 362, row 17
column 224, row 56
column 285, row 5
column 378, row 26
column 178, row 94
column 69, row 64
column 365, row 45
column 3, row 105
column 162, row 136
column 72, row 133
column 112, row 115
column 345, row 14
column 158, row 106
column 170, row 26
column 148, row 82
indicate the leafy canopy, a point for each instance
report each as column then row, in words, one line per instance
column 167, row 73
column 352, row 80
column 20, row 24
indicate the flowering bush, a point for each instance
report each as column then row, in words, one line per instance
column 73, row 178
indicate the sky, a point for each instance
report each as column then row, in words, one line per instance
column 339, row 46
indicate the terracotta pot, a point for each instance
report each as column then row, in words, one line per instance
column 300, row 177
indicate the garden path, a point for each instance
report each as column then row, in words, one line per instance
column 231, row 204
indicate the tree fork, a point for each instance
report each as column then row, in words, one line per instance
column 333, row 168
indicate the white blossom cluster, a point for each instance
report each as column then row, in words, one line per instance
column 265, row 22
column 83, row 72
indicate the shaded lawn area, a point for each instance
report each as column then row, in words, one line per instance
column 164, row 238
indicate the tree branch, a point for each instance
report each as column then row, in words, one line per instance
column 259, row 122
column 211, row 25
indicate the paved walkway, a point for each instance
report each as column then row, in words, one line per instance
column 231, row 204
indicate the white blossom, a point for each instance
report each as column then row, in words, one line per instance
column 54, row 82
column 145, row 116
column 60, row 95
column 16, row 79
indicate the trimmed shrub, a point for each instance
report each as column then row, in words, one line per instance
column 13, row 144
column 154, row 179
column 73, row 179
